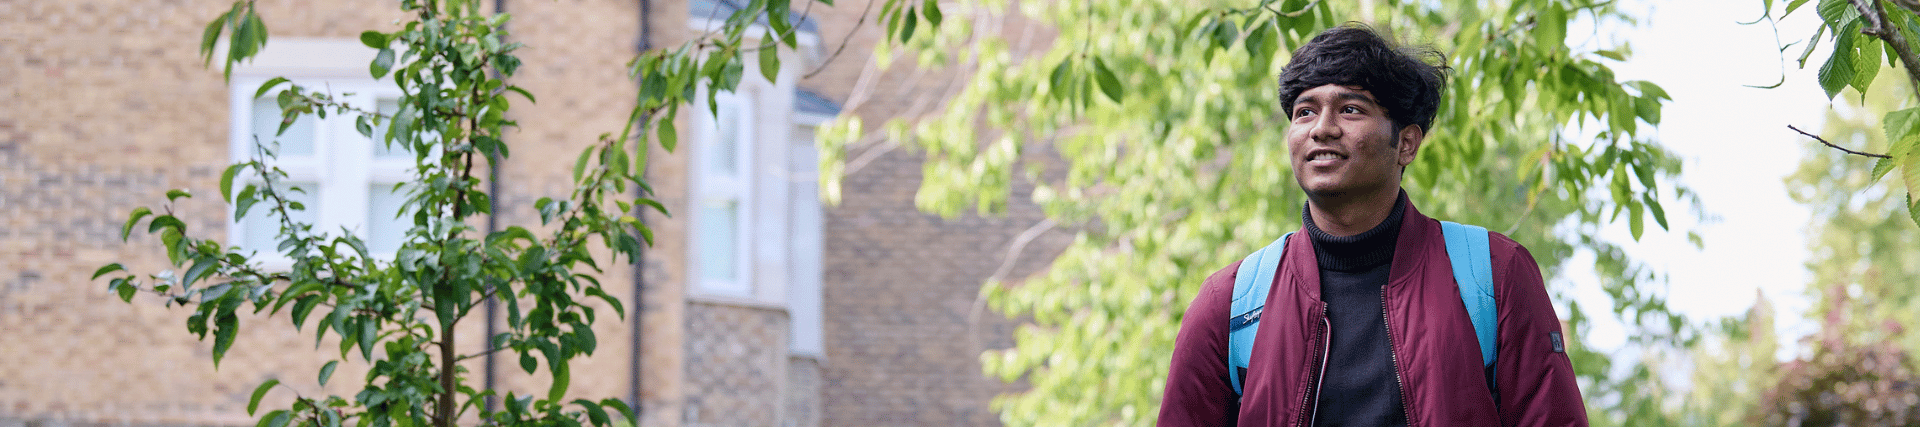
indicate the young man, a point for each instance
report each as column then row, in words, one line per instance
column 1363, row 324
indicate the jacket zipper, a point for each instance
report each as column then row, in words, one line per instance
column 1394, row 356
column 1319, row 377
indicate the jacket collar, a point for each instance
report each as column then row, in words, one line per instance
column 1416, row 235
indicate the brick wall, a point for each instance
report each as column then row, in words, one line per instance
column 107, row 106
column 736, row 365
column 904, row 328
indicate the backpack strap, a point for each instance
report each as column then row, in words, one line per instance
column 1250, row 286
column 1468, row 250
column 1472, row 258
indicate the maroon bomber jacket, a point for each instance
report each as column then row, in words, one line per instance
column 1431, row 337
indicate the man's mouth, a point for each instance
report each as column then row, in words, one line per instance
column 1324, row 157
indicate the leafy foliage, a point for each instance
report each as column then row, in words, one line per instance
column 1149, row 130
column 1861, row 369
column 452, row 62
column 1861, row 33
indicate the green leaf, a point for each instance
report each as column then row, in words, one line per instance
column 275, row 418
column 617, row 404
column 245, row 202
column 770, row 58
column 382, row 62
column 226, row 181
column 1913, row 210
column 367, row 334
column 210, row 37
column 1636, row 222
column 374, row 39
column 522, row 92
column 279, row 418
column 669, row 137
column 1552, row 28
column 1866, row 62
column 911, row 20
column 303, row 307
column 580, row 164
column 595, row 414
column 109, row 268
column 562, row 377
column 326, row 372
column 248, row 38
column 1899, row 124
column 1880, row 169
column 134, row 218
column 126, row 291
column 166, row 221
column 931, row 8
column 199, row 270
column 527, row 362
column 259, row 392
column 223, row 331
column 1225, row 33
column 1109, row 84
column 1838, row 71
column 269, row 85
column 1795, row 4
column 1653, row 206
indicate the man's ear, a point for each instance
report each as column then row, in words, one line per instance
column 1410, row 138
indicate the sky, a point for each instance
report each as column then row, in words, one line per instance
column 1737, row 151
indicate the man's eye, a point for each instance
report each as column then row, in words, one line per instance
column 1303, row 113
column 1350, row 110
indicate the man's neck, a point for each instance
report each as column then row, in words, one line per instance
column 1348, row 214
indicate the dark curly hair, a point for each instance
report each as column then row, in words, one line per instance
column 1400, row 78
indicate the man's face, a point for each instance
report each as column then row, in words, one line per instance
column 1342, row 143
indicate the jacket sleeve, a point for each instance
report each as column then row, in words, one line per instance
column 1199, row 392
column 1534, row 378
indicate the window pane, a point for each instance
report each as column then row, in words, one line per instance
column 718, row 239
column 724, row 156
column 385, row 231
column 297, row 141
column 387, row 108
column 262, row 224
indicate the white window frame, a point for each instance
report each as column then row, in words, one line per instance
column 711, row 186
column 806, row 243
column 781, row 215
column 343, row 164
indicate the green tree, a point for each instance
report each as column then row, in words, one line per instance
column 1731, row 366
column 1149, row 131
column 1861, row 33
column 1860, row 369
column 453, row 63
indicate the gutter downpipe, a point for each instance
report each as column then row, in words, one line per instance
column 644, row 44
column 493, row 224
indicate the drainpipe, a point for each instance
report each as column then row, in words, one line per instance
column 642, row 45
column 493, row 224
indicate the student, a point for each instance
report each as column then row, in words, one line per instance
column 1364, row 323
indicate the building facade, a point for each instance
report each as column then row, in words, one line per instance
column 757, row 306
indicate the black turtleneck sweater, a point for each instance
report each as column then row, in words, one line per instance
column 1359, row 386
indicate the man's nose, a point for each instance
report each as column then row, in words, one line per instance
column 1325, row 127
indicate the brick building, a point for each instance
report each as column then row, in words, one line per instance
column 756, row 307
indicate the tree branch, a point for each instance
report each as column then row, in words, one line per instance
column 483, row 353
column 1910, row 5
column 1836, row 147
column 1878, row 26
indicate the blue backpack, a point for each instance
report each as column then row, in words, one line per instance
column 1467, row 248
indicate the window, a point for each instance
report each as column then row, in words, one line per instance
column 345, row 180
column 756, row 227
column 720, row 200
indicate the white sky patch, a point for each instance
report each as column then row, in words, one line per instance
column 1737, row 151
